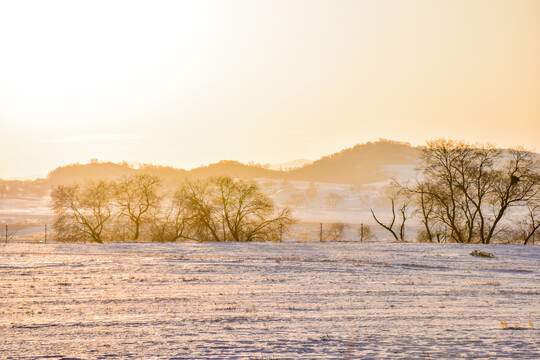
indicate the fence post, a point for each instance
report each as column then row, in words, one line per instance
column 320, row 233
column 45, row 233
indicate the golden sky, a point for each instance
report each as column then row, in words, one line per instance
column 190, row 83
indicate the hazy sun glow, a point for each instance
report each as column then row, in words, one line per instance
column 186, row 83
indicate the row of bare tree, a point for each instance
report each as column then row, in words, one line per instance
column 470, row 194
column 138, row 207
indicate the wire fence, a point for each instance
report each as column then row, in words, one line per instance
column 298, row 232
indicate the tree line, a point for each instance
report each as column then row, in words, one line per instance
column 138, row 207
column 469, row 194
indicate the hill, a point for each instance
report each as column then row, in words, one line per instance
column 107, row 170
column 92, row 171
column 361, row 164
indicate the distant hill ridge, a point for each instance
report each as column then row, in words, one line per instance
column 362, row 163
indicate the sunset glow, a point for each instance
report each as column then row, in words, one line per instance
column 190, row 83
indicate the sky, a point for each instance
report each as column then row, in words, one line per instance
column 188, row 83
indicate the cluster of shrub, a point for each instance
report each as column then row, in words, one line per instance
column 139, row 208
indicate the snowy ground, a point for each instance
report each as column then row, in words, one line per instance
column 269, row 300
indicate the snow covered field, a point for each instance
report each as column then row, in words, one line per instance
column 269, row 300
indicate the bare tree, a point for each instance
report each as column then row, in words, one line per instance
column 82, row 211
column 468, row 189
column 248, row 214
column 426, row 208
column 531, row 224
column 335, row 232
column 365, row 233
column 136, row 195
column 199, row 201
column 8, row 235
column 227, row 209
column 171, row 220
column 403, row 218
column 457, row 178
column 518, row 184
